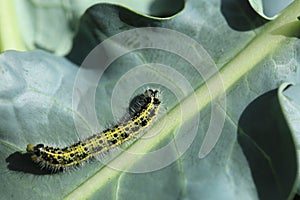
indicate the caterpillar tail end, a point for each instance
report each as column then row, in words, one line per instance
column 30, row 148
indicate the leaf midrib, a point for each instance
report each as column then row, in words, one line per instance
column 262, row 45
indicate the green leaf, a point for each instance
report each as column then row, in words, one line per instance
column 27, row 25
column 35, row 106
column 273, row 163
column 10, row 36
column 289, row 101
column 269, row 9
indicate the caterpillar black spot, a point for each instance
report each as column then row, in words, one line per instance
column 142, row 112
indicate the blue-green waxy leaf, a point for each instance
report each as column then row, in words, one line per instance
column 290, row 104
column 273, row 162
column 254, row 156
column 27, row 25
column 269, row 9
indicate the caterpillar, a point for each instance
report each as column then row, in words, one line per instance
column 142, row 111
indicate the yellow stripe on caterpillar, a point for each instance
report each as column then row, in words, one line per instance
column 143, row 112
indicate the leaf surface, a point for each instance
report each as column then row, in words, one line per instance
column 253, row 59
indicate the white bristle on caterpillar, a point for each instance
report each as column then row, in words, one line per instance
column 142, row 112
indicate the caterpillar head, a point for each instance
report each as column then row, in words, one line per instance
column 141, row 101
column 152, row 95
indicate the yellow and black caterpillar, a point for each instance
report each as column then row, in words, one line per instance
column 142, row 113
